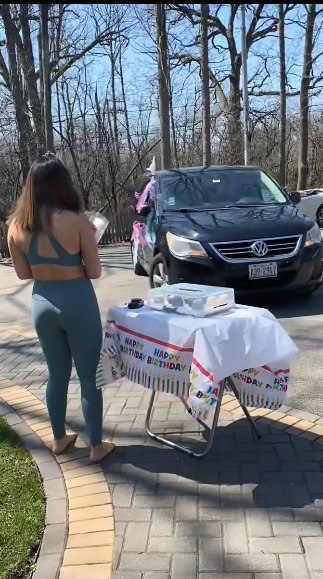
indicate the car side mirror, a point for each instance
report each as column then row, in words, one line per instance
column 295, row 197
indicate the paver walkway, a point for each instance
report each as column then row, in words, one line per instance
column 250, row 510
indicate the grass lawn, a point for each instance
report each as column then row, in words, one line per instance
column 22, row 506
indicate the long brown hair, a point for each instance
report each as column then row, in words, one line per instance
column 48, row 188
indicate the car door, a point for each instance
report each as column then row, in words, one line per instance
column 150, row 236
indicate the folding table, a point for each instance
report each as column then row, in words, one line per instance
column 197, row 359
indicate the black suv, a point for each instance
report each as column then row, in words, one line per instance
column 227, row 226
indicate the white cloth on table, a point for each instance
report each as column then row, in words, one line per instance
column 188, row 356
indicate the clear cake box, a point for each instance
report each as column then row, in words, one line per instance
column 191, row 299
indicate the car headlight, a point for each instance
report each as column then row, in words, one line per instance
column 313, row 235
column 182, row 247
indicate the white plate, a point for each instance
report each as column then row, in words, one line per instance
column 260, row 270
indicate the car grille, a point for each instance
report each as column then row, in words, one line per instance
column 241, row 251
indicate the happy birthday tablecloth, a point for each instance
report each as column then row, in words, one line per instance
column 189, row 356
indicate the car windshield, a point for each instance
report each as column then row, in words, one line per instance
column 205, row 189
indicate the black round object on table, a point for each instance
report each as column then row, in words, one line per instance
column 135, row 303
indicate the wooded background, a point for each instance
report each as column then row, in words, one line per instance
column 102, row 85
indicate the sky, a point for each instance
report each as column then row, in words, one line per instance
column 140, row 69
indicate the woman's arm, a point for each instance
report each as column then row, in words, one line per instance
column 20, row 263
column 89, row 249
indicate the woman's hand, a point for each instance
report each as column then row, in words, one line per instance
column 89, row 249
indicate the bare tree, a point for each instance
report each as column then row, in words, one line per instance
column 125, row 105
column 260, row 26
column 14, row 84
column 304, row 96
column 163, row 76
column 206, row 131
column 44, row 46
column 172, row 118
column 26, row 57
column 114, row 111
column 282, row 96
column 33, row 104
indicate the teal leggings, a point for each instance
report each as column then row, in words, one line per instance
column 67, row 321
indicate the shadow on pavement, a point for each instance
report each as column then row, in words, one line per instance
column 276, row 484
column 116, row 257
column 281, row 471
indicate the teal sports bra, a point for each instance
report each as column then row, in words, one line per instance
column 63, row 257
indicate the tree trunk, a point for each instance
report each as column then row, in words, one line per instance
column 28, row 63
column 114, row 103
column 125, row 107
column 282, row 97
column 206, row 131
column 69, row 112
column 25, row 131
column 48, row 121
column 41, row 77
column 234, row 145
column 163, row 75
column 304, row 98
column 4, row 249
column 98, row 114
column 58, row 104
column 233, row 154
column 195, row 105
column 172, row 120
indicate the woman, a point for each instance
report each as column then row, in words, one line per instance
column 51, row 241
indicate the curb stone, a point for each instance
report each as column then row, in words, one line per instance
column 52, row 547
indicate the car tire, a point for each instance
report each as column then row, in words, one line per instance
column 158, row 276
column 311, row 291
column 139, row 270
column 319, row 216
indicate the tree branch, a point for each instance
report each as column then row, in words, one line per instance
column 76, row 57
column 263, row 93
column 254, row 22
column 4, row 72
column 234, row 10
column 188, row 59
column 191, row 12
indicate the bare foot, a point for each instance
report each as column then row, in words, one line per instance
column 61, row 445
column 100, row 452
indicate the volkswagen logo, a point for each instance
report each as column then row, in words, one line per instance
column 259, row 248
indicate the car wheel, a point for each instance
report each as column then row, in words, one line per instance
column 311, row 291
column 139, row 270
column 319, row 216
column 158, row 272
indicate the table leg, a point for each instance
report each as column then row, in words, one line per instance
column 198, row 420
column 244, row 408
column 177, row 446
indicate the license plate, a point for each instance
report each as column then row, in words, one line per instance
column 257, row 271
